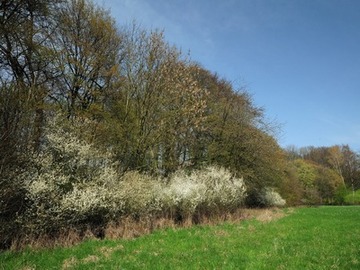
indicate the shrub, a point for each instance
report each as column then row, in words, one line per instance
column 73, row 184
column 141, row 194
column 353, row 197
column 273, row 198
column 207, row 190
column 265, row 197
column 70, row 182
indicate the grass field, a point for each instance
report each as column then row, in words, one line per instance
column 305, row 238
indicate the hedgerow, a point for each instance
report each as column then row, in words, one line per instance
column 73, row 184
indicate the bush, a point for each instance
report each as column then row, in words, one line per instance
column 211, row 190
column 273, row 198
column 340, row 195
column 204, row 191
column 69, row 183
column 73, row 184
column 141, row 194
column 353, row 197
column 265, row 197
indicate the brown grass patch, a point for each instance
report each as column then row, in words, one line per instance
column 72, row 262
column 90, row 259
column 69, row 263
column 129, row 228
column 264, row 215
column 108, row 251
column 66, row 238
column 221, row 233
column 27, row 268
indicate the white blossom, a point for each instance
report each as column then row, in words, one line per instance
column 273, row 198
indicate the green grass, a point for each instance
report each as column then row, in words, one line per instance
column 307, row 238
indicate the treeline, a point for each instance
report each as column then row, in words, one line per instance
column 84, row 102
column 322, row 175
column 153, row 107
column 100, row 122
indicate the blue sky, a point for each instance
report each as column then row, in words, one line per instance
column 300, row 59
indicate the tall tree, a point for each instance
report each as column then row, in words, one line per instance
column 26, row 57
column 135, row 112
column 236, row 136
column 26, row 75
column 350, row 167
column 336, row 159
column 88, row 45
column 157, row 111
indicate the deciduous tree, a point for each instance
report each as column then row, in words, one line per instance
column 88, row 46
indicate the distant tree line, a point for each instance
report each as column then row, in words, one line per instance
column 134, row 103
column 323, row 174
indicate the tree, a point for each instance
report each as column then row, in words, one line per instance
column 328, row 183
column 134, row 121
column 154, row 117
column 306, row 173
column 292, row 152
column 88, row 46
column 183, row 115
column 339, row 158
column 350, row 167
column 318, row 155
column 26, row 28
column 235, row 135
column 26, row 57
column 26, row 74
column 336, row 159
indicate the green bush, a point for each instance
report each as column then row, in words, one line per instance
column 340, row 195
column 353, row 197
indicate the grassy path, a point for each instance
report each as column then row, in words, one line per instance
column 307, row 238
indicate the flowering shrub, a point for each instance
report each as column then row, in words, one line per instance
column 184, row 192
column 205, row 190
column 73, row 183
column 272, row 198
column 141, row 194
column 70, row 181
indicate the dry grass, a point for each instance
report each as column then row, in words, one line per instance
column 28, row 268
column 90, row 259
column 69, row 263
column 108, row 251
column 129, row 228
column 263, row 215
column 66, row 238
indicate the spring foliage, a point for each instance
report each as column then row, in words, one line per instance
column 73, row 184
column 99, row 122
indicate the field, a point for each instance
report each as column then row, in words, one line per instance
column 302, row 238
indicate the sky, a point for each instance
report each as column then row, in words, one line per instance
column 299, row 59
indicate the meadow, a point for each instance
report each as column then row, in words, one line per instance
column 326, row 237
